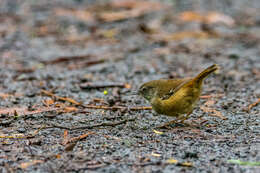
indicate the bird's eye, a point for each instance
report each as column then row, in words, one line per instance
column 144, row 89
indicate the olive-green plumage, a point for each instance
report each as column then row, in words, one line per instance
column 175, row 97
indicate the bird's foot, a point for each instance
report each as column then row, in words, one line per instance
column 178, row 121
column 167, row 125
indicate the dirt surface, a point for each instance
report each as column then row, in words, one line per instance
column 61, row 59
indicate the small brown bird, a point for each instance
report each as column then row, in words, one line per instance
column 175, row 97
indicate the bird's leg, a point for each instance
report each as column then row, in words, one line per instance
column 183, row 118
column 166, row 125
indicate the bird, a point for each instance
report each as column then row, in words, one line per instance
column 175, row 97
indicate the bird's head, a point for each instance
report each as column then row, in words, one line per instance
column 147, row 90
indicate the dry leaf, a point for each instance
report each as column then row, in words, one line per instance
column 209, row 103
column 128, row 86
column 133, row 9
column 213, row 112
column 13, row 136
column 171, row 161
column 31, row 163
column 158, row 132
column 191, row 16
column 65, row 135
column 184, row 35
column 109, row 34
column 215, row 17
column 24, row 110
column 209, row 18
column 187, row 164
column 156, row 154
column 4, row 96
column 83, row 15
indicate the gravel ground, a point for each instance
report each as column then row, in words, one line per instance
column 97, row 53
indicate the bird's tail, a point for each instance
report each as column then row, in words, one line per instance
column 200, row 77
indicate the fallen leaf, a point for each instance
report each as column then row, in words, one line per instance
column 4, row 96
column 31, row 163
column 133, row 8
column 184, row 35
column 83, row 15
column 215, row 17
column 109, row 34
column 209, row 103
column 158, row 132
column 191, row 16
column 208, row 18
column 24, row 110
column 171, row 161
column 187, row 164
column 213, row 112
column 13, row 136
column 156, row 154
column 128, row 86
column 244, row 163
column 65, row 135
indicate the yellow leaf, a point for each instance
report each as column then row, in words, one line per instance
column 111, row 33
column 155, row 154
column 188, row 164
column 171, row 161
column 158, row 132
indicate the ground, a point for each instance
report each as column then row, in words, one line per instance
column 68, row 70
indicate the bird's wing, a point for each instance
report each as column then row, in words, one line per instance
column 175, row 86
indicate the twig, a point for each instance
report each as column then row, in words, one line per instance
column 60, row 98
column 76, row 139
column 112, row 124
column 21, row 136
column 72, row 101
column 23, row 111
column 253, row 105
column 93, row 62
column 90, row 85
column 65, row 136
column 67, row 59
column 117, row 107
column 146, row 163
column 211, row 96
